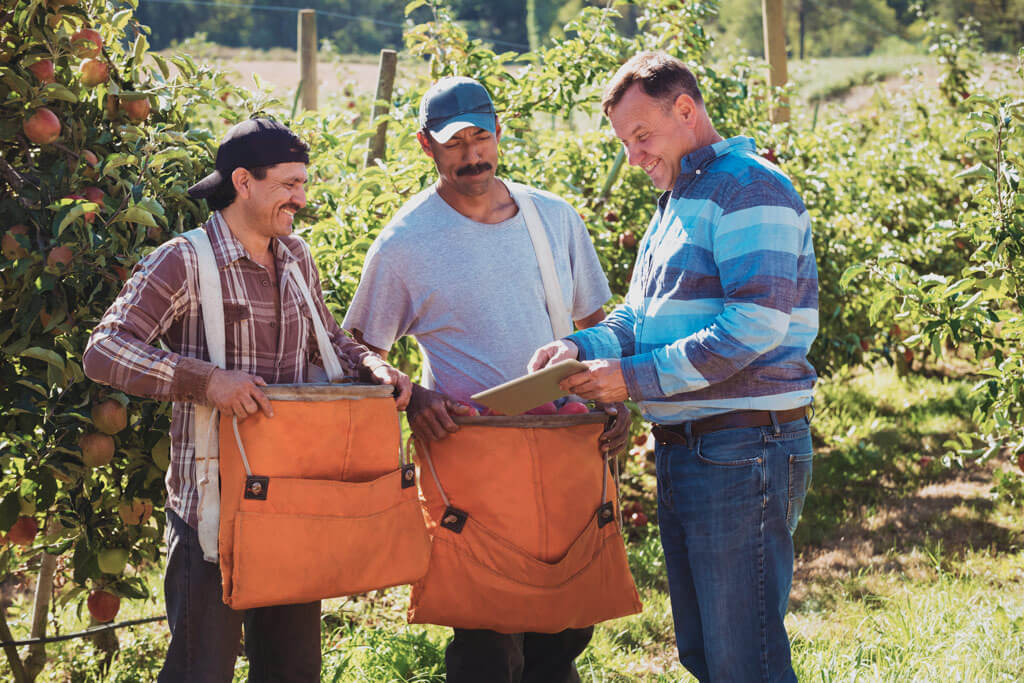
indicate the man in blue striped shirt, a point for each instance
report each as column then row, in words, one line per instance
column 712, row 344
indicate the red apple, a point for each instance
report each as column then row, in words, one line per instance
column 573, row 408
column 638, row 519
column 12, row 249
column 610, row 216
column 769, row 154
column 471, row 412
column 110, row 416
column 93, row 72
column 43, row 71
column 97, row 449
column 136, row 512
column 87, row 43
column 543, row 409
column 865, row 344
column 137, row 110
column 24, row 531
column 627, row 240
column 103, row 605
column 60, row 257
column 1020, row 461
column 42, row 127
column 908, row 356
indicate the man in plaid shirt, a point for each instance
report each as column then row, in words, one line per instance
column 258, row 186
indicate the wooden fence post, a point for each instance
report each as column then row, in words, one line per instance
column 382, row 103
column 775, row 52
column 307, row 58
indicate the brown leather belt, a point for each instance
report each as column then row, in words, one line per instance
column 677, row 434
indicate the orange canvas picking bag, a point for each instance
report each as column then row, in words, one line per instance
column 317, row 502
column 523, row 518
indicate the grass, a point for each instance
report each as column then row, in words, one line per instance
column 828, row 77
column 907, row 570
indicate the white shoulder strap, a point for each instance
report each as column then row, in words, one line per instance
column 332, row 365
column 558, row 312
column 205, row 420
column 211, row 298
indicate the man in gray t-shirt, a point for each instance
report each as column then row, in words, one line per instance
column 456, row 268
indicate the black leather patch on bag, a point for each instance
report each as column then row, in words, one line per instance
column 454, row 519
column 256, row 487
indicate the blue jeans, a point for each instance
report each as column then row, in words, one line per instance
column 282, row 643
column 728, row 503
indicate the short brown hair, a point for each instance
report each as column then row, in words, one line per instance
column 660, row 75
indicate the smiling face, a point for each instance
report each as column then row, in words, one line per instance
column 467, row 162
column 270, row 203
column 656, row 133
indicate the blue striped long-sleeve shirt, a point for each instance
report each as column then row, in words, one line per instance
column 723, row 303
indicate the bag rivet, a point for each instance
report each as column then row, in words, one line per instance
column 450, row 519
column 408, row 475
column 255, row 488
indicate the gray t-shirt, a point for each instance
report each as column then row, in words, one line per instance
column 471, row 293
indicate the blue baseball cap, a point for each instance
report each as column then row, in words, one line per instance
column 455, row 103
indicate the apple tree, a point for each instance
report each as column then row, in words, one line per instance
column 99, row 140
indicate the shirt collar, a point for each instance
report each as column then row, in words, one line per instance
column 695, row 162
column 227, row 248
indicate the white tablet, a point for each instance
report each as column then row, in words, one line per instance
column 529, row 391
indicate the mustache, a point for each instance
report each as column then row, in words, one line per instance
column 473, row 169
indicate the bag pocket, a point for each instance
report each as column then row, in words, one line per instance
column 800, row 466
column 478, row 580
column 316, row 539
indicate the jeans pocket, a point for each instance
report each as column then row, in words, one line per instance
column 800, row 466
column 730, row 448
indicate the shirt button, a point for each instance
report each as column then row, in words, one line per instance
column 698, row 171
column 265, row 283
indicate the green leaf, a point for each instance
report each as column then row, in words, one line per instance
column 74, row 214
column 413, row 6
column 59, row 92
column 138, row 214
column 850, row 273
column 47, row 355
column 976, row 171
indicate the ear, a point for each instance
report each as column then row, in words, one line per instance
column 425, row 143
column 242, row 180
column 686, row 109
column 497, row 129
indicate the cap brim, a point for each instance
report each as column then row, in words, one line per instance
column 206, row 187
column 461, row 121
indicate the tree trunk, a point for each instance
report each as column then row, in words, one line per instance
column 40, row 613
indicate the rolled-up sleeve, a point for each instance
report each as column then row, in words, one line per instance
column 122, row 350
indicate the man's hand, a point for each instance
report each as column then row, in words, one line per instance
column 552, row 353
column 601, row 381
column 386, row 374
column 613, row 439
column 430, row 414
column 238, row 393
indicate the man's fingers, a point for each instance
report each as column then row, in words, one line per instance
column 540, row 358
column 262, row 400
column 402, row 402
column 259, row 380
column 440, row 411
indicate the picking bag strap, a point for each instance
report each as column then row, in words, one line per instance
column 558, row 312
column 332, row 366
column 205, row 418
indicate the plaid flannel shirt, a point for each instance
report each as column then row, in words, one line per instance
column 269, row 333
